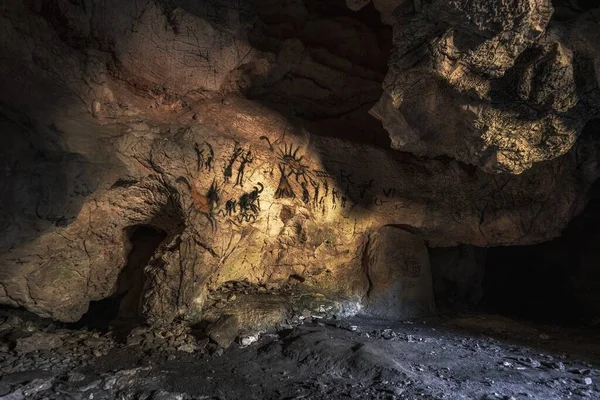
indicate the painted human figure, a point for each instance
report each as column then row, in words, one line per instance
column 246, row 159
column 199, row 156
column 305, row 194
column 211, row 157
column 228, row 173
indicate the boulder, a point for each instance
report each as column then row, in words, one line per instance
column 400, row 283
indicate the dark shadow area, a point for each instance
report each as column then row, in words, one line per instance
column 568, row 10
column 122, row 308
column 145, row 239
column 329, row 86
column 43, row 184
column 553, row 282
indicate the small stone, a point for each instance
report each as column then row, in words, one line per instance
column 231, row 297
column 202, row 343
column 533, row 363
column 134, row 340
column 587, row 381
column 248, row 340
column 36, row 386
column 75, row 377
column 93, row 342
column 224, row 331
column 90, row 386
column 187, row 348
column 37, row 341
column 555, row 365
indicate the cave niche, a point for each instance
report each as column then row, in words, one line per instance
column 123, row 306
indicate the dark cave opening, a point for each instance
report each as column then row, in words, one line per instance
column 532, row 282
column 567, row 10
column 553, row 282
column 122, row 308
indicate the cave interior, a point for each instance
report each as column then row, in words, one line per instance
column 300, row 199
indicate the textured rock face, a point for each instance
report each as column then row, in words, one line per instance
column 399, row 275
column 494, row 84
column 240, row 132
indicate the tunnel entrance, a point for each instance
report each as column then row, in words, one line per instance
column 123, row 307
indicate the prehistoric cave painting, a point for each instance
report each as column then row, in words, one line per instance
column 284, row 189
column 322, row 205
column 291, row 162
column 228, row 170
column 363, row 187
column 346, row 177
column 389, row 192
column 249, row 204
column 316, row 186
column 230, row 208
column 246, row 208
column 204, row 203
column 205, row 156
column 246, row 158
column 334, row 198
column 346, row 196
column 268, row 141
column 324, row 174
column 305, row 193
column 378, row 201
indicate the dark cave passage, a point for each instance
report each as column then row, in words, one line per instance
column 123, row 306
column 532, row 282
column 556, row 281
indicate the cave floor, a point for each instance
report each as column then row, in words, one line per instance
column 463, row 357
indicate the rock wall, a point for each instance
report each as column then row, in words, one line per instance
column 242, row 133
column 500, row 85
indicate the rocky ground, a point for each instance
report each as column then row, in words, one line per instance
column 463, row 357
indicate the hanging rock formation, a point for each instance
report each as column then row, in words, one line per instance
column 495, row 84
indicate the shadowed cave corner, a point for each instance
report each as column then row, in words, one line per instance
column 122, row 309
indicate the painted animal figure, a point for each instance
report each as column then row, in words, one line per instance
column 250, row 204
column 230, row 208
column 204, row 203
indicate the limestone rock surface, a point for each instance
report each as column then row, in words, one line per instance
column 239, row 131
column 399, row 275
column 497, row 84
